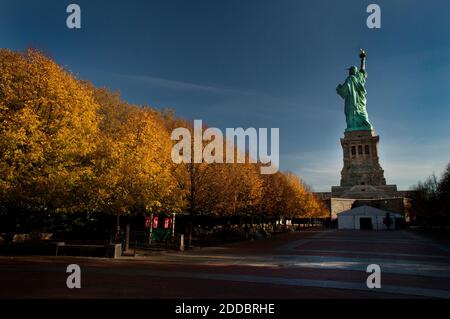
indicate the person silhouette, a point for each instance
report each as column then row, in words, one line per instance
column 388, row 221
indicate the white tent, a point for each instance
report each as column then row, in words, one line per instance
column 366, row 217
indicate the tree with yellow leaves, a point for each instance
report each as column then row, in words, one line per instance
column 67, row 146
column 48, row 129
column 133, row 164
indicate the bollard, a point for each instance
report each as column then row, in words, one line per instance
column 181, row 242
column 114, row 251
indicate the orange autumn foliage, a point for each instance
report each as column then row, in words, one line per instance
column 66, row 145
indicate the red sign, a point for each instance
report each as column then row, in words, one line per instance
column 155, row 222
column 147, row 222
column 166, row 222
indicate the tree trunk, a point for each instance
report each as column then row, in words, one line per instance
column 127, row 237
column 9, row 235
column 117, row 236
column 226, row 228
column 245, row 228
column 11, row 221
column 190, row 230
column 192, row 205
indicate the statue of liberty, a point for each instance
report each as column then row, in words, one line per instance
column 354, row 94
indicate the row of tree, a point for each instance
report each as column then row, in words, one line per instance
column 68, row 146
column 431, row 201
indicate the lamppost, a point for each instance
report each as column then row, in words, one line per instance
column 172, row 233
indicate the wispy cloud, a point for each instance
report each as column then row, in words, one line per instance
column 183, row 86
column 238, row 101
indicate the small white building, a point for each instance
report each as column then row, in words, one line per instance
column 367, row 217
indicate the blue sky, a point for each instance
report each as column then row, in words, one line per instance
column 265, row 63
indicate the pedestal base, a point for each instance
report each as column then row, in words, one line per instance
column 364, row 191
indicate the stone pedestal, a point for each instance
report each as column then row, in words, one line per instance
column 362, row 179
column 361, row 161
column 362, row 175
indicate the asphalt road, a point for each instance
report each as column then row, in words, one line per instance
column 307, row 264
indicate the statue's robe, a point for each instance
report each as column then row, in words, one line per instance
column 354, row 94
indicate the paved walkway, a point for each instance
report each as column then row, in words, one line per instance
column 307, row 264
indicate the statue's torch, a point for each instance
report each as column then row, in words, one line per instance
column 362, row 55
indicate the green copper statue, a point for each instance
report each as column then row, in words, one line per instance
column 354, row 94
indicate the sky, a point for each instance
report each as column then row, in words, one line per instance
column 265, row 64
